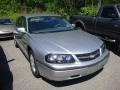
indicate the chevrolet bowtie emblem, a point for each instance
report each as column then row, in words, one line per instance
column 92, row 56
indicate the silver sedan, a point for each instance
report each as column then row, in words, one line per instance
column 56, row 50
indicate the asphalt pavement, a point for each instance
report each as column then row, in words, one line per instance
column 19, row 76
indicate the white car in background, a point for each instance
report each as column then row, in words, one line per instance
column 6, row 28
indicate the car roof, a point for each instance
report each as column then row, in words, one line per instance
column 35, row 15
column 106, row 5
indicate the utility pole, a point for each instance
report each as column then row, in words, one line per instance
column 92, row 4
column 85, row 2
column 99, row 3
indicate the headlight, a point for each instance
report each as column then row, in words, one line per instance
column 59, row 58
column 103, row 47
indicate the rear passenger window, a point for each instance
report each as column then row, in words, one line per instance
column 18, row 23
column 109, row 12
column 21, row 22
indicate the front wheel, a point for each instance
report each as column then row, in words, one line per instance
column 33, row 65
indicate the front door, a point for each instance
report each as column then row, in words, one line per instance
column 107, row 23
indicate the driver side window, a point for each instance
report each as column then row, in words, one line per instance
column 109, row 12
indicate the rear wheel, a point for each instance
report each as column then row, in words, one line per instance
column 79, row 28
column 33, row 65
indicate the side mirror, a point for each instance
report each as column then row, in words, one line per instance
column 22, row 29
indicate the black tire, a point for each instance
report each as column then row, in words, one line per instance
column 79, row 28
column 118, row 47
column 15, row 43
column 33, row 66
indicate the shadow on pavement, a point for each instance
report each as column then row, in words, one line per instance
column 6, row 39
column 71, row 82
column 6, row 77
column 112, row 47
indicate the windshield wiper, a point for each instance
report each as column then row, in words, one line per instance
column 53, row 31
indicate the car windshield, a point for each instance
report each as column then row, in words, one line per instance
column 48, row 24
column 5, row 22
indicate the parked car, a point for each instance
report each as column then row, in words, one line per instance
column 56, row 50
column 105, row 24
column 6, row 28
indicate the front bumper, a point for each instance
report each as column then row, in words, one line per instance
column 61, row 75
column 6, row 35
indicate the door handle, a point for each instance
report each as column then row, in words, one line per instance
column 99, row 22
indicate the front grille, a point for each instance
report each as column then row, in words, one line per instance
column 88, row 56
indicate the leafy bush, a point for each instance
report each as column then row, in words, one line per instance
column 13, row 16
column 89, row 10
column 52, row 8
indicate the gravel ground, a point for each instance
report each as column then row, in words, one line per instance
column 22, row 78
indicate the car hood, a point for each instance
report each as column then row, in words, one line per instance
column 6, row 28
column 67, row 42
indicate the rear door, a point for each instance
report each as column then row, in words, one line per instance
column 107, row 22
column 18, row 34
